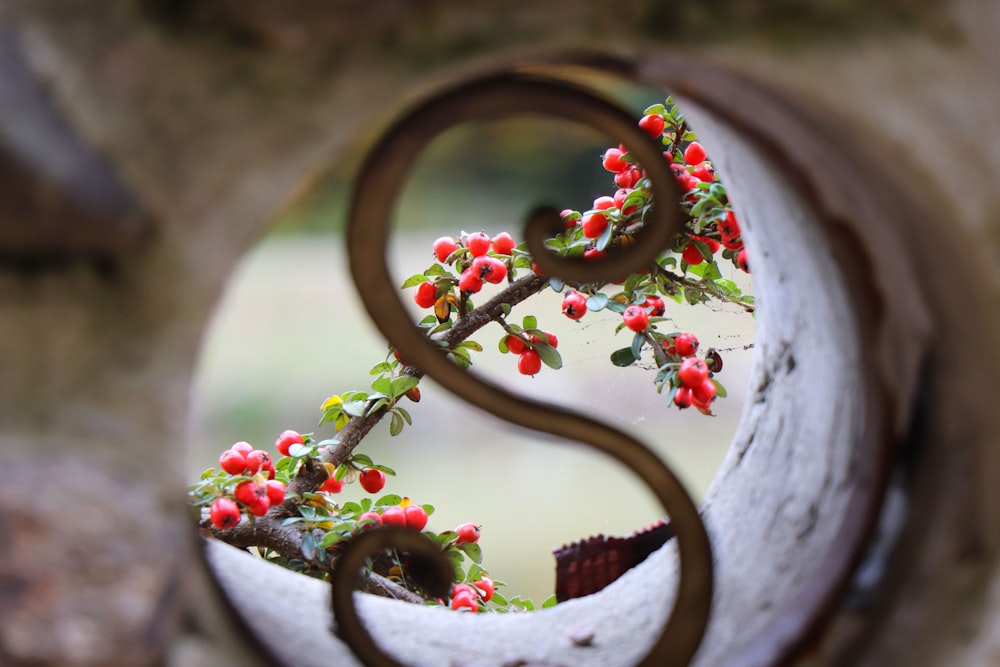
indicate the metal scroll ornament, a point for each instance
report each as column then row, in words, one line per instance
column 374, row 198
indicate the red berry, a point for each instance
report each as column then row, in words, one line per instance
column 470, row 281
column 713, row 245
column 604, row 203
column 515, row 344
column 742, row 261
column 692, row 255
column 467, row 532
column 243, row 448
column 443, row 247
column 416, row 517
column 233, row 462
column 594, row 253
column 628, row 178
column 372, row 480
column 373, row 519
column 570, row 218
column 394, row 516
column 694, row 153
column 682, row 397
column 652, row 124
column 286, row 440
column 594, row 225
column 686, row 344
column 529, row 363
column 426, row 294
column 486, row 588
column 465, row 601
column 636, row 318
column 655, row 306
column 260, row 506
column 478, row 244
column 703, row 393
column 275, row 492
column 332, row 485
column 256, row 460
column 693, row 372
column 574, row 305
column 704, row 173
column 490, row 269
column 613, row 160
column 250, row 492
column 552, row 339
column 503, row 243
column 224, row 513
column 729, row 226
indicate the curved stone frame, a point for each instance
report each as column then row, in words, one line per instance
column 829, row 313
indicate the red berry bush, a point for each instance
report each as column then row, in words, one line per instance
column 288, row 507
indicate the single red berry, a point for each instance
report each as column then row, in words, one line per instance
column 529, row 362
column 604, row 203
column 515, row 344
column 682, row 398
column 233, row 462
column 242, row 447
column 332, row 485
column 594, row 253
column 693, row 372
column 443, row 247
column 467, row 532
column 728, row 226
column 490, row 269
column 692, row 255
column 394, row 516
column 704, row 393
column 426, row 294
column 570, row 218
column 574, row 305
column 372, row 480
column 594, row 225
column 552, row 339
column 628, row 178
column 731, row 242
column 652, row 124
column 704, row 173
column 636, row 318
column 256, row 460
column 478, row 244
column 372, row 520
column 694, row 153
column 742, row 261
column 503, row 243
column 686, row 344
column 416, row 517
column 470, row 281
column 612, row 160
column 269, row 469
column 260, row 506
column 275, row 492
column 286, row 440
column 224, row 513
column 655, row 306
column 486, row 588
column 249, row 492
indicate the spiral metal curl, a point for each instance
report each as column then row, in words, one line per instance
column 374, row 198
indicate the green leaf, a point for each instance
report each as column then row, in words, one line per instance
column 341, row 472
column 401, row 385
column 395, row 424
column 428, row 508
column 623, row 357
column 549, row 355
column 550, row 601
column 404, row 414
column 720, row 391
column 556, row 284
column 309, row 544
column 388, row 500
column 658, row 109
column 330, row 539
column 597, row 301
column 355, row 408
column 382, row 385
column 298, row 451
column 529, row 322
column 605, row 238
column 473, row 551
column 413, row 280
column 361, row 459
column 471, row 345
column 616, row 306
column 637, row 342
column 350, row 507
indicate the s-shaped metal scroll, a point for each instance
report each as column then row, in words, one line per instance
column 385, row 171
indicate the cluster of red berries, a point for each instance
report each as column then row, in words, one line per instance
column 529, row 362
column 255, row 495
column 404, row 515
column 478, row 266
column 472, row 595
column 696, row 387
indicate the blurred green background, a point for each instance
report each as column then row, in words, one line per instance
column 289, row 332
